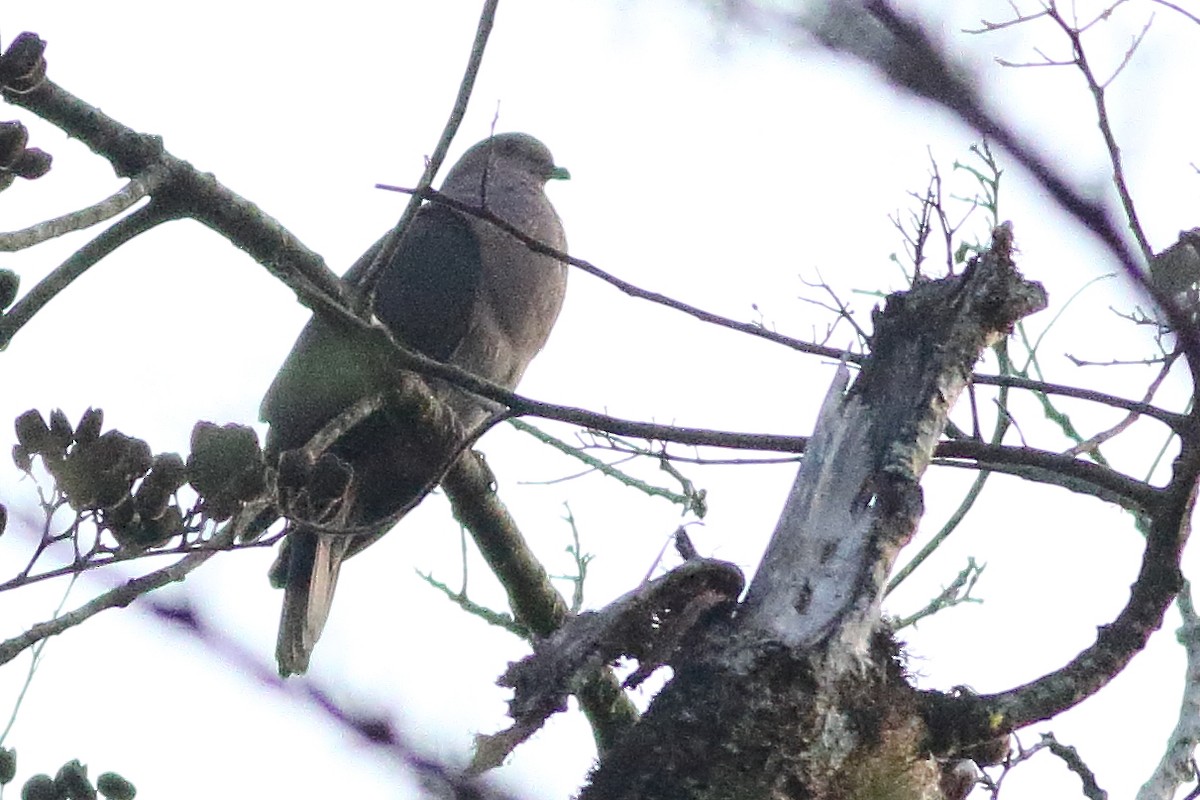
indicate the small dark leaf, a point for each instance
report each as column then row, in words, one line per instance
column 118, row 517
column 168, row 471
column 151, row 500
column 115, row 455
column 295, row 465
column 72, row 782
column 3, row 525
column 156, row 532
column 41, row 787
column 13, row 138
column 329, row 479
column 99, row 473
column 87, row 486
column 88, row 429
column 220, row 454
column 32, row 431
column 220, row 507
column 277, row 575
column 138, row 459
column 8, row 764
column 22, row 458
column 33, row 163
column 166, row 475
column 294, row 468
column 203, row 432
column 235, row 446
column 127, row 533
column 225, row 466
column 114, row 787
column 103, row 454
column 61, row 434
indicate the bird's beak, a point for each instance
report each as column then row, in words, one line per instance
column 559, row 174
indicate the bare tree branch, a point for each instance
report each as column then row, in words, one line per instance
column 1157, row 582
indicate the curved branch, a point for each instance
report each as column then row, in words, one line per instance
column 1177, row 765
column 1158, row 580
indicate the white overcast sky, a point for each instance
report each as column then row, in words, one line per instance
column 716, row 166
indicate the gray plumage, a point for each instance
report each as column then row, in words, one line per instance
column 458, row 290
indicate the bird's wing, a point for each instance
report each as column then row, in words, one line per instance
column 425, row 296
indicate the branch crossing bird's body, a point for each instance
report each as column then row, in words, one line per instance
column 458, row 290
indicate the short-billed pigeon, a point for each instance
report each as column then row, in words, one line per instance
column 459, row 290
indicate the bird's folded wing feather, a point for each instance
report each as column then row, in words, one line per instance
column 426, row 296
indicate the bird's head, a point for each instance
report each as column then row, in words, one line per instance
column 508, row 155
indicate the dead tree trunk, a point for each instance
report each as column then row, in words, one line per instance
column 796, row 692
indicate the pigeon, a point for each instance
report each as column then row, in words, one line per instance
column 459, row 290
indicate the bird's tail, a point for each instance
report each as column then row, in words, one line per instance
column 311, row 563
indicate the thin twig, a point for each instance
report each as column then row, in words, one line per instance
column 1110, row 139
column 965, row 505
column 395, row 238
column 1093, row 443
column 685, row 500
column 957, row 593
column 33, row 664
column 147, row 183
column 626, row 287
column 988, row 27
column 119, row 597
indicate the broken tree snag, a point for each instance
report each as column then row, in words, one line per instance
column 655, row 624
column 800, row 693
column 857, row 498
